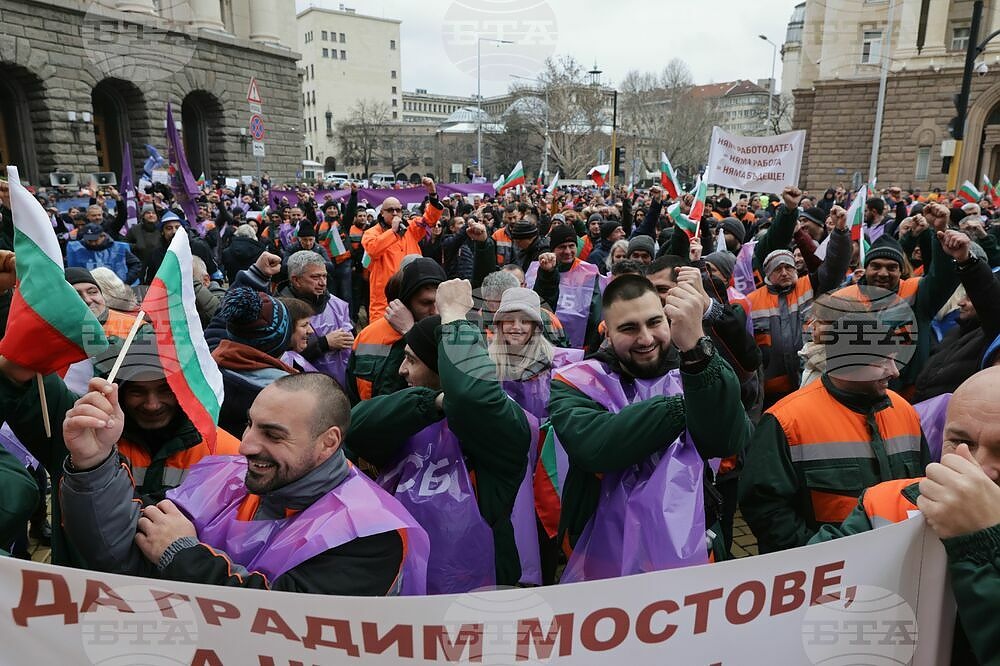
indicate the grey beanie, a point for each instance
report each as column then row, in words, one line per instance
column 641, row 242
column 724, row 260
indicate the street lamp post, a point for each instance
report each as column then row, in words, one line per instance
column 479, row 97
column 770, row 87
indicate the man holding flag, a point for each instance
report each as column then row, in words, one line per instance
column 51, row 327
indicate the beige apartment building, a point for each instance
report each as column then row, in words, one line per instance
column 346, row 57
column 832, row 61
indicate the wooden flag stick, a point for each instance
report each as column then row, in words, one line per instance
column 45, row 404
column 139, row 319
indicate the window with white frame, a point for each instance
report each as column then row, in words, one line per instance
column 959, row 37
column 871, row 47
column 923, row 162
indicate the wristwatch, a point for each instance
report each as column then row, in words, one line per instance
column 702, row 351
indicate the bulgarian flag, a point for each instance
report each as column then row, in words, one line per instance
column 691, row 222
column 547, row 484
column 668, row 177
column 337, row 241
column 991, row 191
column 187, row 363
column 201, row 180
column 497, row 183
column 554, row 183
column 49, row 327
column 856, row 222
column 969, row 193
column 599, row 174
column 515, row 178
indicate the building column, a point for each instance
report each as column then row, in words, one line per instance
column 137, row 6
column 207, row 15
column 262, row 22
column 935, row 43
column 905, row 38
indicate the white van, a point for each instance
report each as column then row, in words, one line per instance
column 382, row 179
column 336, row 177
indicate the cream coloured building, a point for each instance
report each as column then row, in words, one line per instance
column 346, row 58
column 832, row 61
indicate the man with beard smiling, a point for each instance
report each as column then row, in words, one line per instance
column 656, row 394
column 290, row 513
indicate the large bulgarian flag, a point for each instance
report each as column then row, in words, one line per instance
column 691, row 222
column 856, row 222
column 515, row 178
column 547, row 482
column 969, row 193
column 189, row 367
column 49, row 326
column 668, row 177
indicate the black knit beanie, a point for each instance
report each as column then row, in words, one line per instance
column 423, row 340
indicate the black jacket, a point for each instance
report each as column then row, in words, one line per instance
column 240, row 255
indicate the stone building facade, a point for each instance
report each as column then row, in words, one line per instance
column 833, row 61
column 78, row 78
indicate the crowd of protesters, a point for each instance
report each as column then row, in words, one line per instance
column 513, row 374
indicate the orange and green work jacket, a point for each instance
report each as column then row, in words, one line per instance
column 815, row 451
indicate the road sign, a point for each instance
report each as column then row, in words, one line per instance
column 258, row 149
column 253, row 94
column 255, row 108
column 256, row 127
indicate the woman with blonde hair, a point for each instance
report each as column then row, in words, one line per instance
column 117, row 294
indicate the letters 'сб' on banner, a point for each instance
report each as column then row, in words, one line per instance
column 755, row 163
column 818, row 604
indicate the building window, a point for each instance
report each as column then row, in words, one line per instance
column 326, row 53
column 323, row 35
column 329, row 121
column 395, row 115
column 394, row 90
column 393, row 74
column 923, row 162
column 333, row 53
column 871, row 49
column 313, row 72
column 394, row 101
column 343, row 39
column 960, row 38
column 392, row 44
column 343, row 55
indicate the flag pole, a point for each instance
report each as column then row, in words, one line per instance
column 139, row 319
column 45, row 404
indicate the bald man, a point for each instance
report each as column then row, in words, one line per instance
column 960, row 499
column 390, row 240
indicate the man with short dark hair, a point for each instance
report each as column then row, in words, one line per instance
column 875, row 220
column 234, row 519
column 628, row 411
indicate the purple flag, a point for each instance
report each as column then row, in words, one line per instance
column 181, row 181
column 128, row 190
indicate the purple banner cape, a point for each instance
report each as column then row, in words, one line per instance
column 431, row 481
column 932, row 413
column 576, row 291
column 406, row 195
column 743, row 278
column 128, row 190
column 182, row 183
column 335, row 316
column 650, row 516
column 214, row 489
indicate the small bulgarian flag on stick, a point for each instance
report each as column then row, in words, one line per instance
column 187, row 363
column 668, row 177
column 515, row 178
column 990, row 191
column 336, row 241
column 49, row 327
column 856, row 221
column 554, row 183
column 691, row 222
column 969, row 193
column 599, row 174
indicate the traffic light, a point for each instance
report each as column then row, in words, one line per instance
column 619, row 162
column 953, row 127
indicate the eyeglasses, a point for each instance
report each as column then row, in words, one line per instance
column 392, row 210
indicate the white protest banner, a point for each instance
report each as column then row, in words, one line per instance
column 874, row 598
column 755, row 163
column 232, row 183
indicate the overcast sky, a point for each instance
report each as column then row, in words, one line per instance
column 717, row 38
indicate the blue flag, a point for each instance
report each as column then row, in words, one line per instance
column 181, row 181
column 154, row 160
